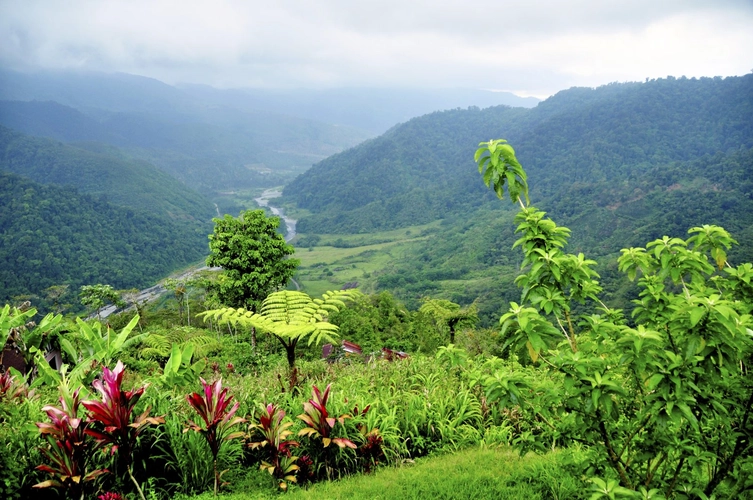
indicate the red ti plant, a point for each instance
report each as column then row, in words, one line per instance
column 113, row 422
column 213, row 406
column 320, row 424
column 274, row 433
column 67, row 449
column 10, row 388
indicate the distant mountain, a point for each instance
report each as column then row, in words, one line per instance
column 209, row 147
column 52, row 235
column 374, row 110
column 423, row 170
column 620, row 165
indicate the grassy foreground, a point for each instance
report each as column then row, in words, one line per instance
column 478, row 473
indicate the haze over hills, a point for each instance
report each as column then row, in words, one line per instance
column 374, row 110
column 213, row 139
column 621, row 164
column 98, row 170
column 138, row 150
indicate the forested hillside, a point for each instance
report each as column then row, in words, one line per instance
column 52, row 235
column 102, row 172
column 620, row 165
column 423, row 170
column 208, row 149
column 89, row 214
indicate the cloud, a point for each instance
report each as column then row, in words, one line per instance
column 537, row 47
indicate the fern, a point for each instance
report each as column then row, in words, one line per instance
column 159, row 345
column 290, row 316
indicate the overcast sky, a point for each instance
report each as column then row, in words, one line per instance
column 531, row 47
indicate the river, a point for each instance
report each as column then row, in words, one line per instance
column 152, row 293
column 263, row 201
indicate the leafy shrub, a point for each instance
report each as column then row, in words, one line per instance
column 19, row 452
column 217, row 418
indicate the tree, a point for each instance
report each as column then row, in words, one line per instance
column 666, row 402
column 290, row 316
column 253, row 256
column 97, row 296
column 450, row 314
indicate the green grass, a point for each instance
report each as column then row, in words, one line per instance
column 473, row 473
column 327, row 267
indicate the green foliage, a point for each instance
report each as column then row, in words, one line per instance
column 665, row 403
column 160, row 342
column 51, row 235
column 17, row 329
column 98, row 296
column 449, row 314
column 377, row 321
column 253, row 256
column 290, row 317
column 179, row 371
column 19, row 452
column 90, row 348
column 497, row 165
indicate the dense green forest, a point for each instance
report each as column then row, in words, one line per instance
column 52, row 235
column 419, row 171
column 623, row 163
column 102, row 172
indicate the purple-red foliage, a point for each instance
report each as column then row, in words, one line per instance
column 213, row 406
column 320, row 424
column 67, row 449
column 112, row 419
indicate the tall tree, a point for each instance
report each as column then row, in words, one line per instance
column 98, row 296
column 254, row 258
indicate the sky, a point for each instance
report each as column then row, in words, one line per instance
column 530, row 47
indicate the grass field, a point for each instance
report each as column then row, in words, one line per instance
column 477, row 473
column 340, row 259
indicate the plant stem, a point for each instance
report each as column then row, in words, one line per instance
column 742, row 442
column 138, row 488
column 613, row 458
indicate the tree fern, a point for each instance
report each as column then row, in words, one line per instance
column 160, row 344
column 290, row 316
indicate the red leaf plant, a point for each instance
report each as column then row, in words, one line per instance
column 68, row 449
column 212, row 406
column 112, row 421
column 320, row 424
column 274, row 433
column 10, row 388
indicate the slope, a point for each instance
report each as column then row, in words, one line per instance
column 102, row 173
column 615, row 134
column 620, row 165
column 210, row 147
column 51, row 235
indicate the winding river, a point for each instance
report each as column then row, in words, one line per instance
column 263, row 201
